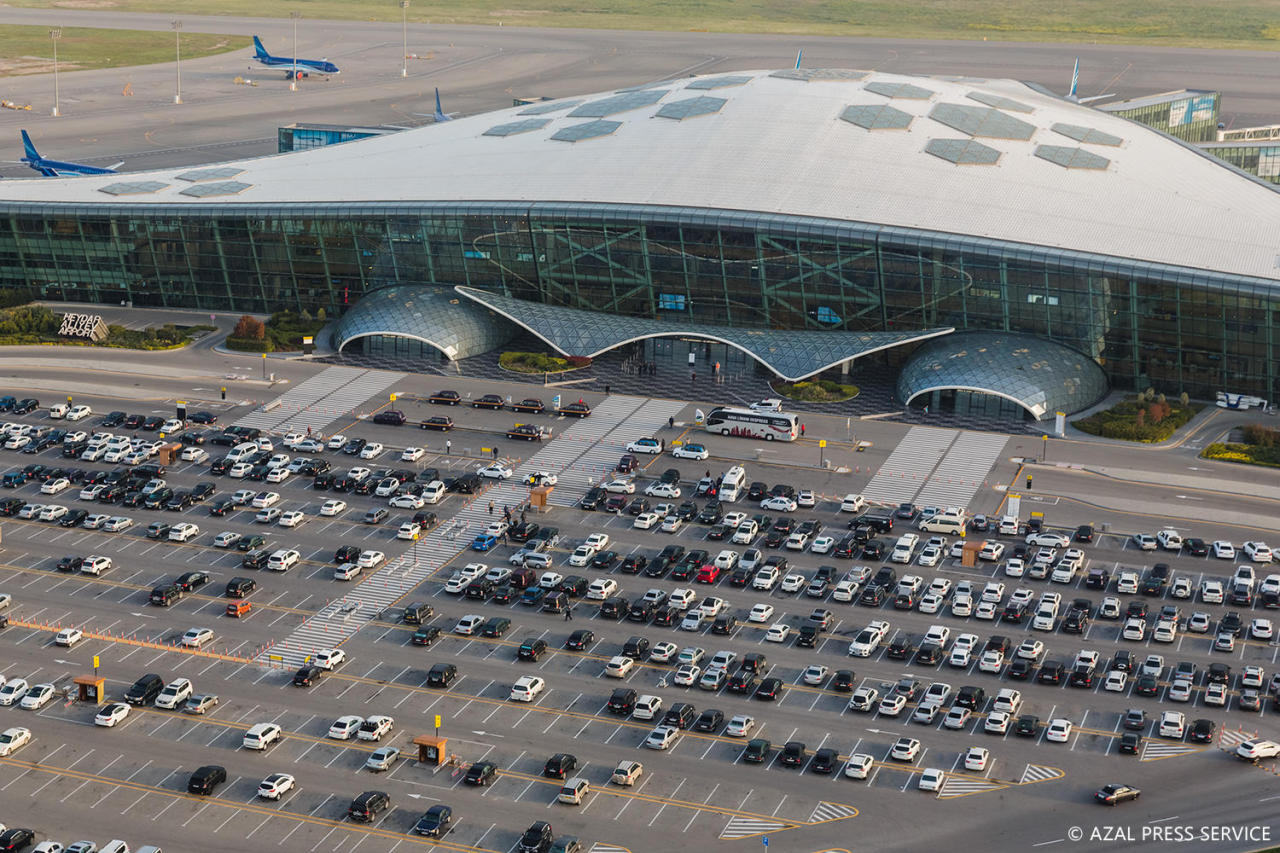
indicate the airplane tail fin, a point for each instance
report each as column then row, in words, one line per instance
column 799, row 56
column 258, row 50
column 439, row 115
column 31, row 149
column 1075, row 80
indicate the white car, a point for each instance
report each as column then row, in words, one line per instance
column 1261, row 629
column 1224, row 550
column 662, row 490
column 194, row 638
column 794, row 582
column 766, row 578
column 194, row 454
column 109, row 715
column 409, row 531
column 468, row 625
column 37, row 697
column 407, row 501
column 1030, row 650
column 663, row 737
column 1049, row 539
column 333, row 507
column 645, row 445
column 372, row 450
column 496, row 471
column 859, row 766
column 375, row 727
column 13, row 691
column 671, row 524
column 929, row 556
column 619, row 666
column 822, row 544
column 265, row 500
column 778, row 633
column 1116, row 681
column 992, row 551
column 411, row 454
column 53, row 487
column 726, row 560
column 978, row 758
column 599, row 541
column 78, row 412
column 371, row 559
column 779, row 503
column 740, row 725
column 1059, row 730
column 760, row 613
column 690, row 451
column 1144, row 541
column 601, row 588
column 1212, row 592
column 345, row 727
column 283, row 560
column 275, row 786
column 815, row 674
column 806, row 498
column 51, row 512
column 663, row 652
column 12, row 740
column 174, row 693
column 184, row 532
column 997, row 723
column 1127, row 582
column 905, row 749
column 620, row 487
column 869, row 639
column 582, row 555
column 1258, row 552
column 67, row 637
column 646, row 521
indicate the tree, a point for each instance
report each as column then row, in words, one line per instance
column 321, row 316
column 306, row 315
column 250, row 328
column 1141, row 418
column 1162, row 400
column 1185, row 399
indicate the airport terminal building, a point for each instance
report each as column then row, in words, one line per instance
column 991, row 239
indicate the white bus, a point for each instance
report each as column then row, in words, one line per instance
column 771, row 426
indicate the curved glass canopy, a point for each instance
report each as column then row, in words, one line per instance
column 436, row 316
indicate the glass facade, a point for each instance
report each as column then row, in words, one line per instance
column 1191, row 116
column 1146, row 324
column 1256, row 158
column 299, row 137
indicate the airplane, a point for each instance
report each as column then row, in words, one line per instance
column 799, row 55
column 297, row 67
column 439, row 115
column 58, row 169
column 1075, row 98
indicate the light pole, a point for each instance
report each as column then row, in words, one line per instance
column 404, row 36
column 177, row 59
column 1044, row 450
column 55, row 35
column 293, row 77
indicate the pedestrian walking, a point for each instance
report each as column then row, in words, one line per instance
column 568, row 614
column 490, row 507
column 671, row 423
column 448, row 447
column 495, row 453
column 693, row 376
column 802, row 430
column 506, row 514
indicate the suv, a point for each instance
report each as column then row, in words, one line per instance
column 205, row 779
column 537, row 838
column 365, row 807
column 145, row 690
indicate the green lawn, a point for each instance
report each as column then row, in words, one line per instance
column 29, row 50
column 1239, row 24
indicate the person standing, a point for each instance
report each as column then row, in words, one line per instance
column 448, row 447
column 490, row 507
column 568, row 614
column 802, row 430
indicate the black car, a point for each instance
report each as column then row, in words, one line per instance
column 240, row 587
column 529, row 405
column 757, row 491
column 435, row 823
column 604, row 560
column 757, row 750
column 709, row 720
column 442, row 675
column 425, row 636
column 1019, row 669
column 634, row 564
column 202, row 417
column 365, row 807
column 580, row 639
column 667, row 616
column 307, row 675
column 9, row 506
column 1051, row 672
column 165, row 595
column 18, row 838
column 681, row 715
column 531, row 649
column 793, row 754
column 874, row 550
column 27, row 405
column 824, row 761
column 1147, row 685
column 769, row 689
column 390, row 417
column 536, row 839
column 205, row 780
column 525, row 432
column 113, row 419
column 1130, row 743
column 354, row 446
column 495, row 627
column 70, row 564
column 203, row 491
column 250, row 542
column 560, row 765
column 1084, row 533
column 842, row 681
column 144, row 690
column 192, row 580
column 592, row 499
column 1028, row 725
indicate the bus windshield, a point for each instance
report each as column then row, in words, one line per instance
column 770, row 426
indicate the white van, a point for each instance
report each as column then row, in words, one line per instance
column 647, row 708
column 733, row 484
column 945, row 522
column 58, row 410
column 242, row 451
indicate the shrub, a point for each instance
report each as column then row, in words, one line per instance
column 578, row 361
column 249, row 328
column 1138, row 419
column 534, row 362
column 816, row 391
column 250, row 344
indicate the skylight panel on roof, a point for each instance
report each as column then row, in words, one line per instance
column 223, row 188
column 981, row 121
column 719, row 82
column 590, row 130
column 512, row 128
column 700, row 106
column 877, row 117
column 644, row 86
column 216, row 173
column 899, row 90
column 552, row 107
column 963, row 152
column 1086, row 134
column 1071, row 158
column 807, row 74
column 618, row 104
column 1000, row 102
column 132, row 188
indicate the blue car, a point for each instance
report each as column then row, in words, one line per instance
column 484, row 542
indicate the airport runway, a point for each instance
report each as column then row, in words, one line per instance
column 481, row 68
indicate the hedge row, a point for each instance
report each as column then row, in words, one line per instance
column 535, row 362
column 817, row 391
column 1129, row 421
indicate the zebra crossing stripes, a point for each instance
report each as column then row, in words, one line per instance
column 1039, row 773
column 317, row 402
column 962, row 786
column 909, row 465
column 305, row 393
column 745, row 827
column 1231, row 738
column 963, row 470
column 1154, row 750
column 831, row 811
column 601, row 847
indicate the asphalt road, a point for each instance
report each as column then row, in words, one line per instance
column 129, row 782
column 481, row 68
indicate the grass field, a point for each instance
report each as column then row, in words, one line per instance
column 1231, row 24
column 29, row 50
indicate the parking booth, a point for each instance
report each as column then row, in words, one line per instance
column 91, row 688
column 970, row 551
column 538, row 496
column 168, row 454
column 431, row 749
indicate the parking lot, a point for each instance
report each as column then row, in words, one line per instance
column 130, row 781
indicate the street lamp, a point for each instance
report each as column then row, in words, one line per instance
column 55, row 35
column 293, row 77
column 177, row 59
column 404, row 36
column 1044, row 451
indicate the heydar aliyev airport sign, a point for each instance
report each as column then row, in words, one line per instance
column 83, row 326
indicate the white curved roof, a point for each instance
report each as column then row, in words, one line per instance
column 779, row 145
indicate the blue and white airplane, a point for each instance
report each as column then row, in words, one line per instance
column 57, row 168
column 439, row 115
column 1074, row 96
column 298, row 67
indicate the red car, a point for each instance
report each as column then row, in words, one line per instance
column 710, row 573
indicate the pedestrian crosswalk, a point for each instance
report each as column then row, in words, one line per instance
column 601, row 847
column 909, row 465
column 963, row 470
column 317, row 402
column 1039, row 773
column 1231, row 738
column 831, row 811
column 1154, row 750
column 615, row 422
column 962, row 786
column 745, row 827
